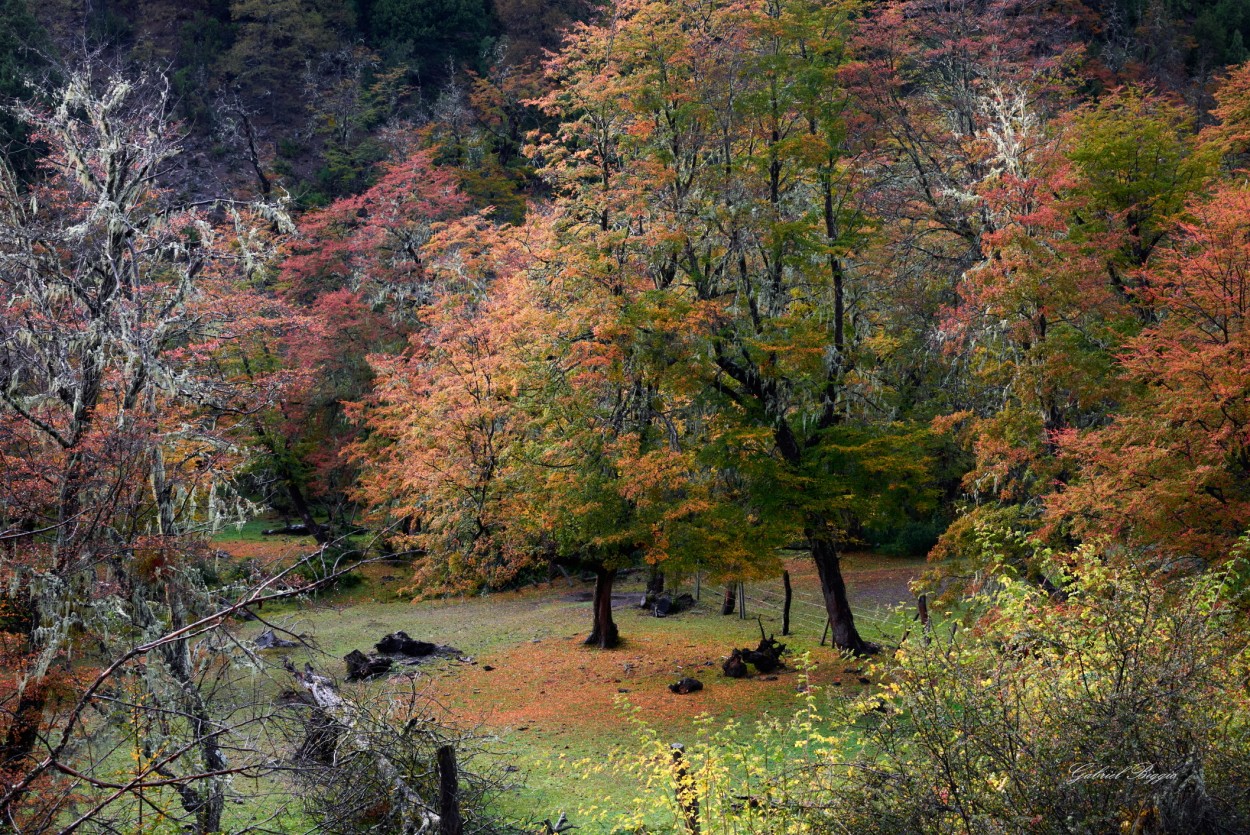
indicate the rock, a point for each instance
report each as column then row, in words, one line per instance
column 298, row 529
column 864, row 680
column 268, row 640
column 666, row 605
column 734, row 666
column 686, row 686
column 487, row 667
column 361, row 666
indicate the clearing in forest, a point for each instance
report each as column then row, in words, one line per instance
column 550, row 702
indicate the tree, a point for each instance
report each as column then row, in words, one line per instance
column 1171, row 469
column 703, row 151
column 440, row 419
column 522, row 427
column 1065, row 283
column 128, row 348
column 359, row 267
column 1137, row 160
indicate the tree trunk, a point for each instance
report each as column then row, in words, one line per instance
column 731, row 599
column 655, row 584
column 687, row 790
column 26, row 717
column 604, row 635
column 22, row 736
column 842, row 622
column 319, row 532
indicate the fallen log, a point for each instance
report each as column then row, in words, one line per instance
column 686, row 686
column 269, row 640
column 298, row 529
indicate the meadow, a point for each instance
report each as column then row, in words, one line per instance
column 564, row 716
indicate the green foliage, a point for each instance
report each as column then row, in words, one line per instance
column 1139, row 162
column 912, row 538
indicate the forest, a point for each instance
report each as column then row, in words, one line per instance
column 412, row 413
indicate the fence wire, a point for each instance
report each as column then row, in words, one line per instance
column 808, row 613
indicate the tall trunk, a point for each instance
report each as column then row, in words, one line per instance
column 655, row 586
column 841, row 621
column 731, row 599
column 604, row 634
column 205, row 798
column 26, row 717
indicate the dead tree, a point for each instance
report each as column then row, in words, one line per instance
column 414, row 814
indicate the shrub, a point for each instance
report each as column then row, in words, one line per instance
column 1121, row 707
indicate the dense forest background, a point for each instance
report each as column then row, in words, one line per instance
column 497, row 289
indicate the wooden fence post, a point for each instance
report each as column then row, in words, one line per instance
column 922, row 605
column 450, row 822
column 687, row 795
column 785, row 609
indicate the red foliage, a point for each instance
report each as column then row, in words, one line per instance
column 1173, row 469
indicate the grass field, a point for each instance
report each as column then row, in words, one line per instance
column 548, row 702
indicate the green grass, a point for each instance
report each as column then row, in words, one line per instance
column 251, row 531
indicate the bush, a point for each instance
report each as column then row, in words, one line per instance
column 912, row 539
column 1120, row 708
